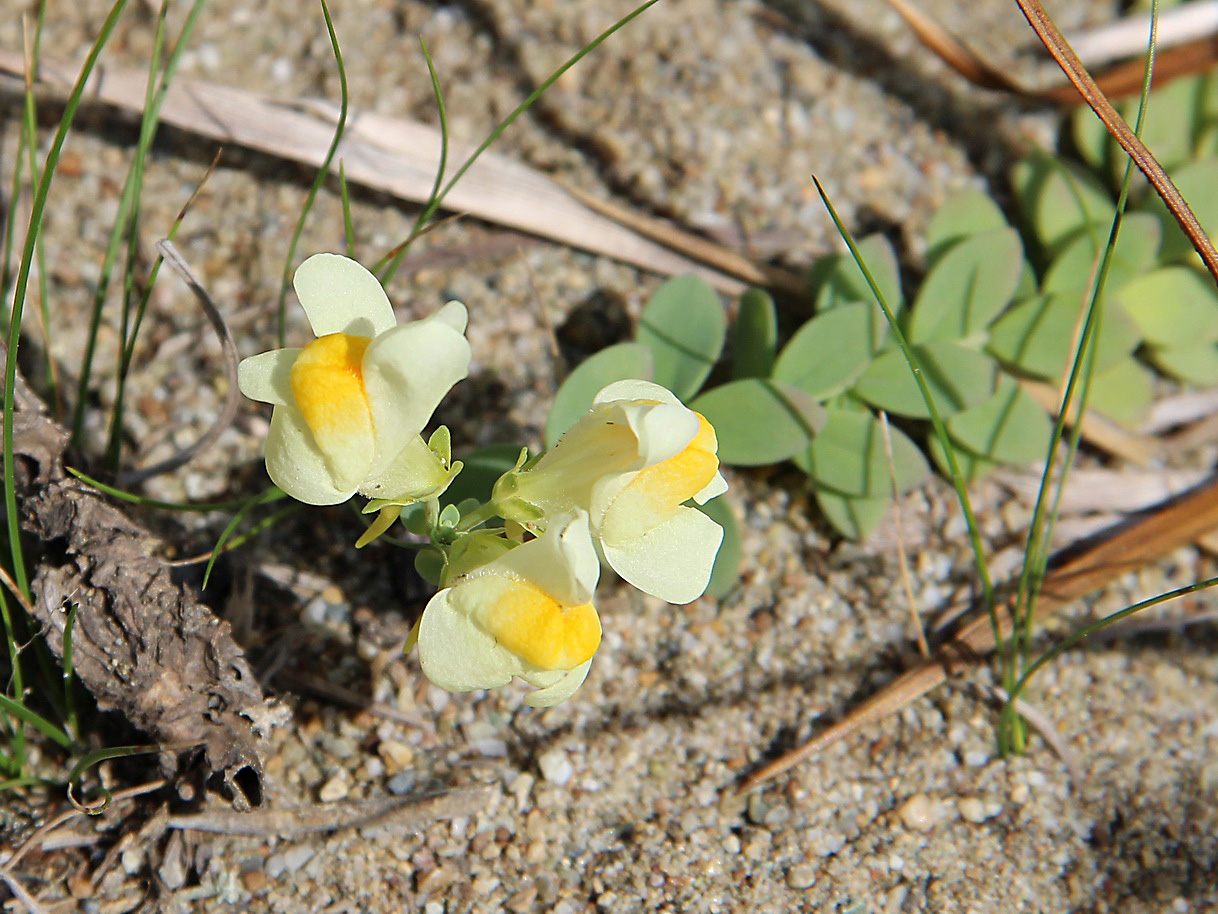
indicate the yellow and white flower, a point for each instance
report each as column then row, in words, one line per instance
column 527, row 612
column 631, row 462
column 350, row 405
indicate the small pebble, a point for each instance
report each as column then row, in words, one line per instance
column 296, row 857
column 919, row 813
column 396, row 755
column 556, row 767
column 334, row 789
column 802, row 876
column 401, row 784
column 971, row 809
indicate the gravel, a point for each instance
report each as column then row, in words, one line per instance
column 622, row 799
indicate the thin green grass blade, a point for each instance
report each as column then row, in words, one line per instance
column 22, row 287
column 131, row 323
column 430, row 209
column 269, row 495
column 101, row 755
column 344, row 194
column 13, row 640
column 339, row 129
column 1017, row 689
column 1012, row 734
column 394, row 258
column 128, row 228
column 27, row 148
column 958, row 481
column 37, row 721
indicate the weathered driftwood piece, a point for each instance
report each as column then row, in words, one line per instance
column 142, row 644
column 400, row 157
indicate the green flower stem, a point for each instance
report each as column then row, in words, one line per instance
column 479, row 515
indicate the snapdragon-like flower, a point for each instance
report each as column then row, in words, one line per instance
column 631, row 463
column 527, row 612
column 350, row 405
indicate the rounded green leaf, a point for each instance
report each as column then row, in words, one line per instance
column 1137, row 250
column 1122, row 393
column 1060, row 199
column 839, row 281
column 759, row 422
column 828, row 353
column 1173, row 306
column 1196, row 182
column 1092, row 139
column 848, row 456
column 1038, row 336
column 964, row 214
column 684, row 327
column 621, row 362
column 726, row 570
column 1009, row 427
column 1191, row 364
column 754, row 336
column 853, row 518
column 958, row 377
column 1170, row 116
column 968, row 287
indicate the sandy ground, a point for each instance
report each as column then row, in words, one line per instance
column 714, row 114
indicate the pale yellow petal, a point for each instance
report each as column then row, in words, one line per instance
column 456, row 654
column 328, row 389
column 340, row 296
column 406, row 373
column 557, row 692
column 267, row 377
column 296, row 465
column 671, row 561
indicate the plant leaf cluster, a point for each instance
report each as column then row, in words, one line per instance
column 998, row 304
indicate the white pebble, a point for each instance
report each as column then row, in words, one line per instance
column 334, row 789
column 971, row 809
column 802, row 876
column 556, row 767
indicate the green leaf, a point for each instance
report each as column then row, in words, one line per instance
column 621, row 362
column 1060, row 199
column 1170, row 116
column 853, row 518
column 726, row 570
column 969, row 212
column 971, row 466
column 1196, row 364
column 1038, row 336
column 1095, row 144
column 1009, row 427
column 429, row 565
column 759, row 422
column 848, row 457
column 1137, row 250
column 1175, row 306
column 828, row 353
column 1122, row 393
column 958, row 377
column 968, row 287
column 839, row 281
column 1196, row 182
column 684, row 327
column 754, row 336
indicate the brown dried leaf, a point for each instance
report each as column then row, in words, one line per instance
column 142, row 643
